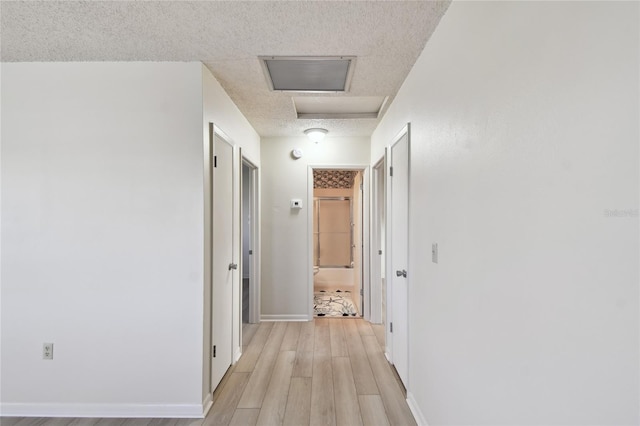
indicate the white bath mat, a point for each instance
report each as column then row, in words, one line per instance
column 333, row 304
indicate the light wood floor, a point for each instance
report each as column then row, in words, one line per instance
column 330, row 371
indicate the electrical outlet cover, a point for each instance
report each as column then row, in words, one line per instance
column 47, row 351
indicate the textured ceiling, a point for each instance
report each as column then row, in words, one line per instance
column 334, row 179
column 228, row 36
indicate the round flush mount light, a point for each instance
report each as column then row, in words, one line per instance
column 316, row 134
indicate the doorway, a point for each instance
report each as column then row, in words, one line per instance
column 250, row 296
column 337, row 220
column 378, row 244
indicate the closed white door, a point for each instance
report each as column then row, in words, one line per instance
column 398, row 251
column 224, row 264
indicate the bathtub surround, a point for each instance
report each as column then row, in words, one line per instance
column 333, row 242
column 334, row 278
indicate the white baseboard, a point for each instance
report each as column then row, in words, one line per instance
column 268, row 318
column 194, row 411
column 237, row 354
column 415, row 410
column 207, row 404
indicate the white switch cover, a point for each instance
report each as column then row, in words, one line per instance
column 434, row 252
column 296, row 203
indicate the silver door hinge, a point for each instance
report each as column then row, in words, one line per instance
column 250, row 251
column 215, row 161
column 214, row 351
column 391, row 171
column 379, row 251
column 391, row 327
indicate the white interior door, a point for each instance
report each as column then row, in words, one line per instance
column 224, row 264
column 398, row 276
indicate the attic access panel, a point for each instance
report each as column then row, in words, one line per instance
column 325, row 74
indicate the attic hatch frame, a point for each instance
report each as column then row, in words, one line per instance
column 350, row 62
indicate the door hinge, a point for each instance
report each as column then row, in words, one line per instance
column 214, row 351
column 379, row 251
column 391, row 327
column 215, row 161
column 391, row 171
column 250, row 251
column 361, row 292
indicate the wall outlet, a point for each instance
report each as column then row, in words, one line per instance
column 47, row 351
column 296, row 203
column 434, row 252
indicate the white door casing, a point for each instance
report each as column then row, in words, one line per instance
column 378, row 251
column 251, row 240
column 365, row 277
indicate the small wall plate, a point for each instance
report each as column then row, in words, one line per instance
column 296, row 153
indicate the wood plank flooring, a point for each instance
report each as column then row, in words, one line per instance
column 330, row 371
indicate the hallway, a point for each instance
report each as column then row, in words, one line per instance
column 329, row 372
column 497, row 145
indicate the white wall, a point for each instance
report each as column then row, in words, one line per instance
column 220, row 110
column 102, row 238
column 286, row 267
column 524, row 134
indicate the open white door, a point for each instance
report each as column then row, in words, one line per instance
column 224, row 264
column 398, row 253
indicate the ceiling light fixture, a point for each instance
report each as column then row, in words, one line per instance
column 316, row 134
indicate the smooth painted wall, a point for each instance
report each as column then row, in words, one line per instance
column 286, row 233
column 524, row 169
column 102, row 238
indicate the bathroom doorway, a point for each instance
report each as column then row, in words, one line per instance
column 337, row 228
column 250, row 306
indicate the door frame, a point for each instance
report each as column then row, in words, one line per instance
column 406, row 130
column 254, row 242
column 378, row 203
column 365, row 279
column 207, row 386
